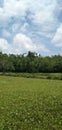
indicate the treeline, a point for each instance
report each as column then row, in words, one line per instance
column 30, row 63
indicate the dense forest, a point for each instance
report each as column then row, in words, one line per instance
column 30, row 62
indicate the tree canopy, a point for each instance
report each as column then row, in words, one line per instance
column 30, row 63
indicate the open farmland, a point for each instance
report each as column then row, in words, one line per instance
column 30, row 104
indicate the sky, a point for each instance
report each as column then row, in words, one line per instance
column 31, row 25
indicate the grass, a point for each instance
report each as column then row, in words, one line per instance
column 30, row 104
column 54, row 76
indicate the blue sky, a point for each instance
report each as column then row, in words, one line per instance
column 31, row 25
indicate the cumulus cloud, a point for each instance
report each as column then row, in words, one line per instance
column 39, row 13
column 21, row 44
column 57, row 39
column 43, row 12
column 36, row 19
column 13, row 8
column 4, row 45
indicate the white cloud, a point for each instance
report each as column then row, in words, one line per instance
column 41, row 11
column 13, row 8
column 4, row 45
column 27, row 16
column 57, row 39
column 21, row 44
column 40, row 14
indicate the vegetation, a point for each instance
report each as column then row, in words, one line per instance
column 54, row 76
column 30, row 104
column 30, row 63
column 28, row 99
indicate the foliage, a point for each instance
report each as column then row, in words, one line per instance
column 54, row 76
column 31, row 63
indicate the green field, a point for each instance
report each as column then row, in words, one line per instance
column 30, row 104
column 53, row 76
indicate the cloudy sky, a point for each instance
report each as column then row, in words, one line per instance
column 31, row 25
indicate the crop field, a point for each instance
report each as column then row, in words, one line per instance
column 30, row 104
